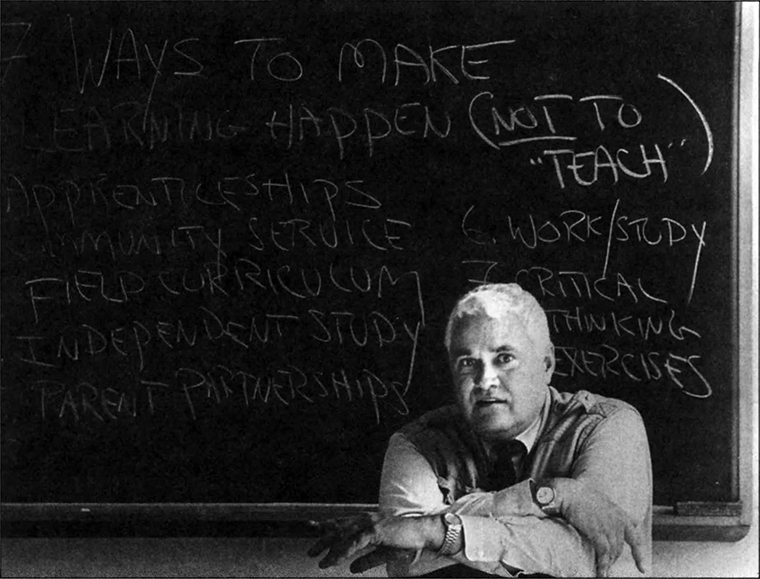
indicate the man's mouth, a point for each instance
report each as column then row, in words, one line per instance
column 489, row 403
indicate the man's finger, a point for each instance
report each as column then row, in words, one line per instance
column 377, row 557
column 322, row 544
column 346, row 547
column 603, row 562
column 335, row 530
column 331, row 532
column 338, row 551
column 616, row 547
column 635, row 539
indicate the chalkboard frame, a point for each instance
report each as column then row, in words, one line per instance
column 683, row 521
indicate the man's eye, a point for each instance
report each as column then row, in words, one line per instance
column 504, row 358
column 466, row 365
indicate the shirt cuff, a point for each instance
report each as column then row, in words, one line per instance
column 482, row 538
column 529, row 544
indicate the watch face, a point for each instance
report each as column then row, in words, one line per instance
column 451, row 519
column 545, row 495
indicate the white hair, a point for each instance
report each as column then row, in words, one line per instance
column 496, row 300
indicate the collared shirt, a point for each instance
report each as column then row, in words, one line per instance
column 435, row 464
column 529, row 435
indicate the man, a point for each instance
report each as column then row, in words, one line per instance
column 516, row 478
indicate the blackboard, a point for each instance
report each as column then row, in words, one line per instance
column 232, row 232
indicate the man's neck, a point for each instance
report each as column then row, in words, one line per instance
column 528, row 436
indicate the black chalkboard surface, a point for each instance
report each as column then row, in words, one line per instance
column 232, row 232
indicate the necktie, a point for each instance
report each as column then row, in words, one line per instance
column 503, row 468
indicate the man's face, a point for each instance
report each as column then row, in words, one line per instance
column 500, row 376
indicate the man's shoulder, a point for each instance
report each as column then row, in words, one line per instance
column 440, row 419
column 575, row 416
column 588, row 404
column 443, row 427
column 444, row 439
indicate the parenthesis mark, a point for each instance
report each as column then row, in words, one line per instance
column 701, row 115
column 670, row 145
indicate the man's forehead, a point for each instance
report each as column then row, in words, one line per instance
column 459, row 350
column 505, row 331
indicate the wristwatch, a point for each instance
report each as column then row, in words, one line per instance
column 453, row 525
column 545, row 498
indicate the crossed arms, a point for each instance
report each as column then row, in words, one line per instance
column 605, row 502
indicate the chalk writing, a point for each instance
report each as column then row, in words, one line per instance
column 21, row 28
column 645, row 328
column 65, row 199
column 192, row 390
column 94, row 128
column 252, row 227
column 454, row 63
column 572, row 227
column 122, row 287
column 132, row 60
column 702, row 118
column 369, row 126
column 282, row 66
column 607, row 362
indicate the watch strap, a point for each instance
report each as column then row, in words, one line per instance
column 453, row 531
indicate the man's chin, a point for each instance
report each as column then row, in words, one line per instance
column 491, row 428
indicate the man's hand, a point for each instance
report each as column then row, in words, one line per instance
column 606, row 526
column 390, row 538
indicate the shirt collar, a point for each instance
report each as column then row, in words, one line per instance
column 529, row 435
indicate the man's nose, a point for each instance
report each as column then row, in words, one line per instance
column 488, row 376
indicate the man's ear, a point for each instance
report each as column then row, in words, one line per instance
column 549, row 362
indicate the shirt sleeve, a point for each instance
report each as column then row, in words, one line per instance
column 614, row 460
column 506, row 530
column 408, row 485
column 495, row 544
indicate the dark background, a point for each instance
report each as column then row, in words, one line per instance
column 233, row 447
